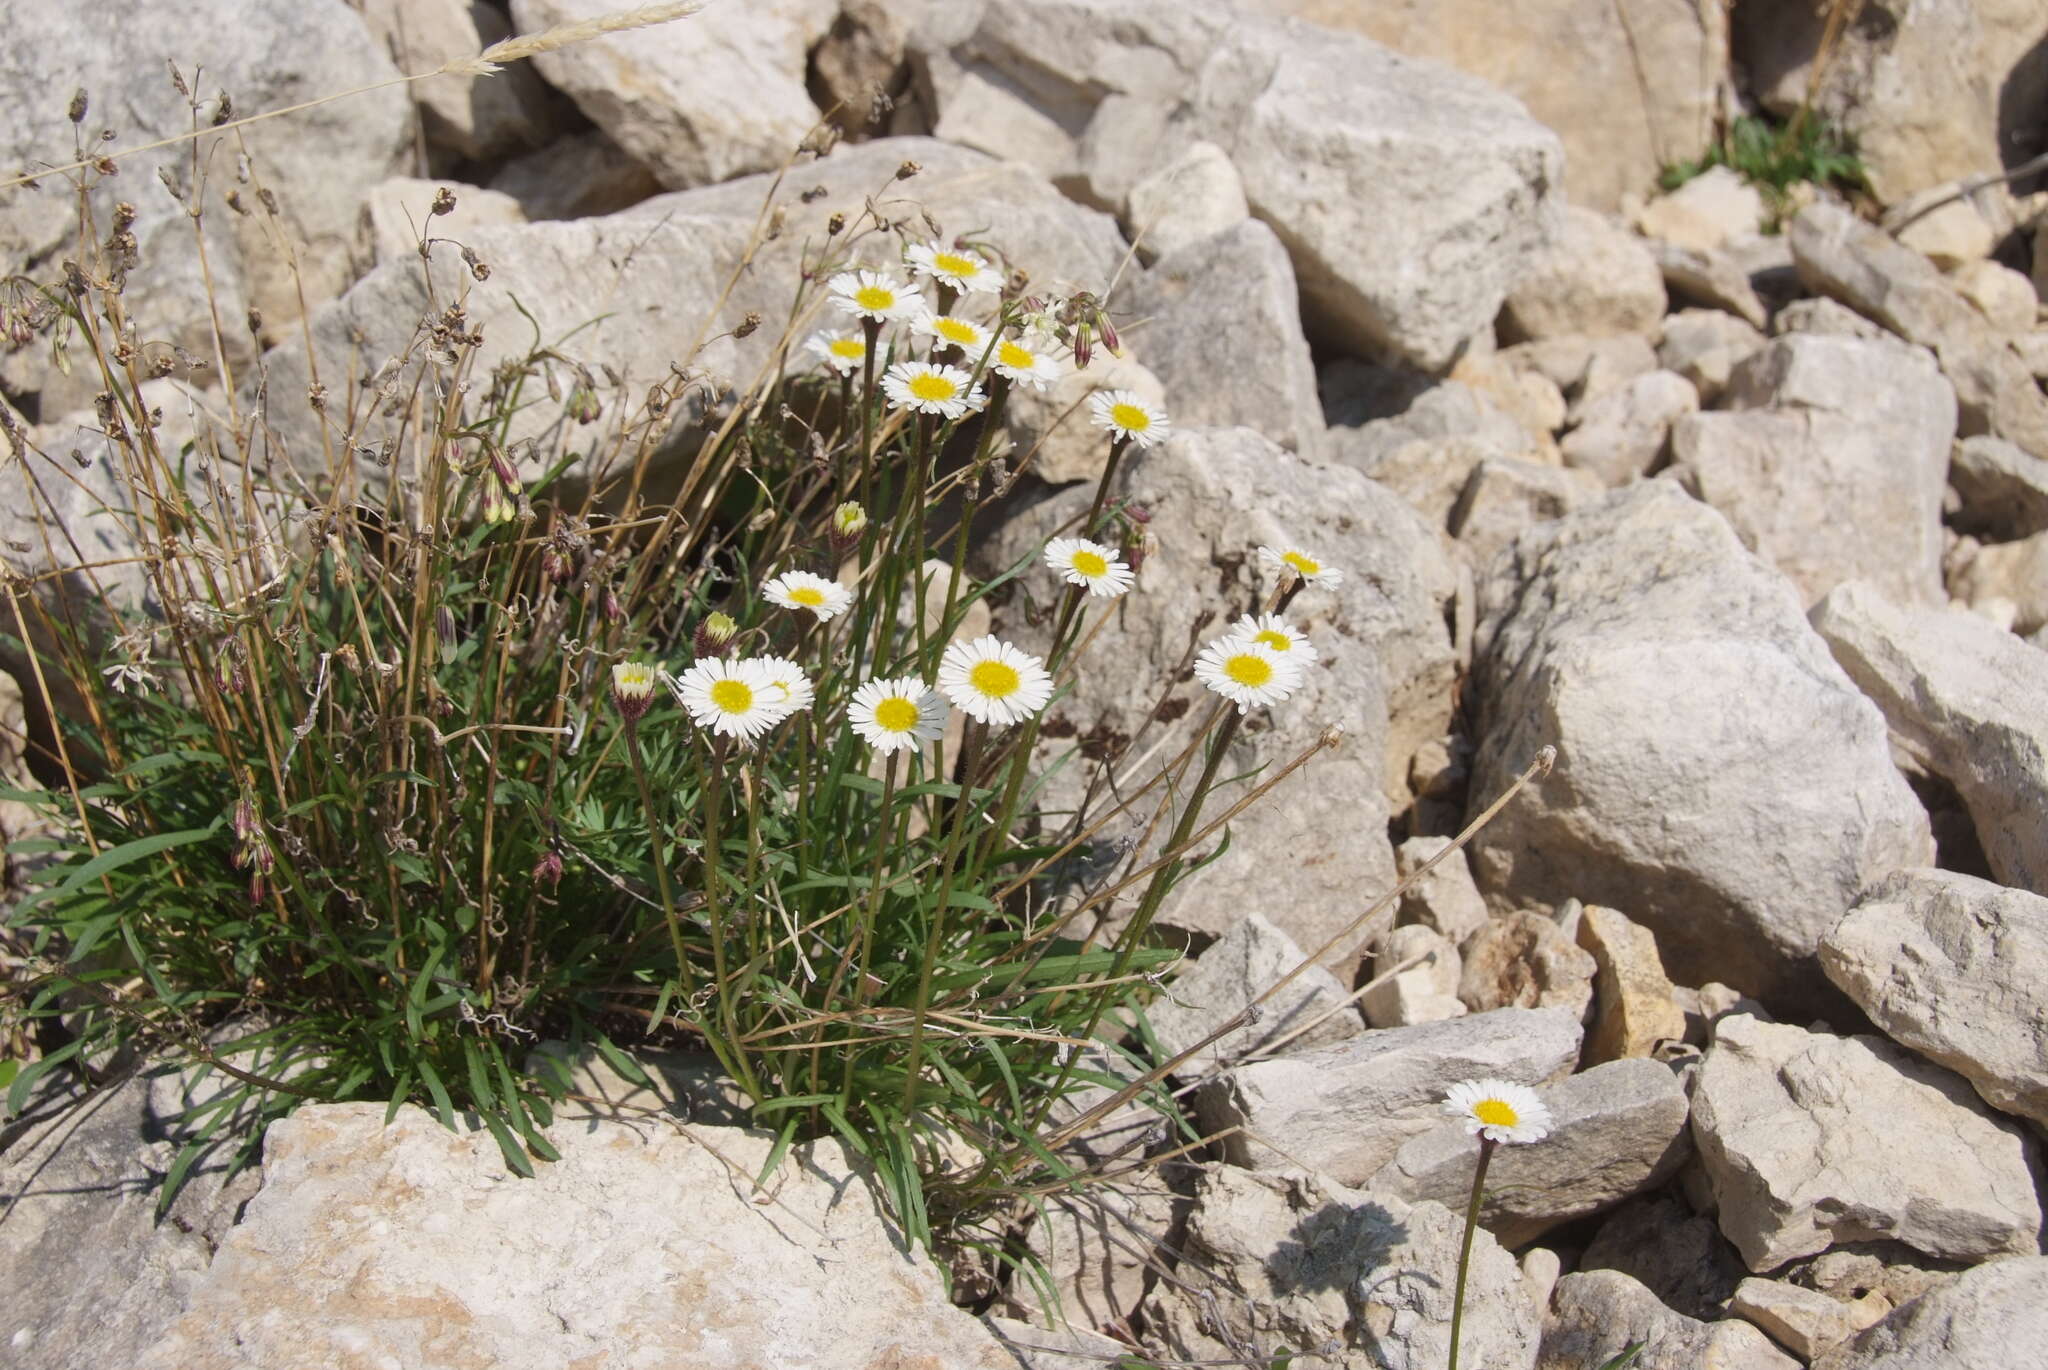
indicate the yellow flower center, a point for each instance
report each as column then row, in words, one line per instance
column 1089, row 564
column 957, row 330
column 634, row 680
column 896, row 714
column 810, row 596
column 953, row 264
column 1494, row 1113
column 1130, row 418
column 852, row 349
column 874, row 297
column 995, row 679
column 1015, row 354
column 1308, row 566
column 929, row 386
column 732, row 696
column 1273, row 638
column 1249, row 669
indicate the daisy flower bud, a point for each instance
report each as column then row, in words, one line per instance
column 801, row 590
column 1499, row 1110
column 849, row 521
column 632, row 689
column 1247, row 673
column 994, row 681
column 715, row 635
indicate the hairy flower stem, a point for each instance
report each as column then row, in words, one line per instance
column 971, row 748
column 1116, row 452
column 1486, row 1146
column 655, row 841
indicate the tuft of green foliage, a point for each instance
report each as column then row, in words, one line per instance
column 346, row 808
column 1774, row 157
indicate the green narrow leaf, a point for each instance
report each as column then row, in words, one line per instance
column 628, row 1068
column 515, row 1157
column 113, row 858
column 442, row 1105
column 17, row 1094
column 398, row 1095
column 174, row 1178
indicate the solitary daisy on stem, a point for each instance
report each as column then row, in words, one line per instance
column 1247, row 672
column 732, row 698
column 1090, row 565
column 1030, row 360
column 874, row 295
column 1128, row 417
column 993, row 681
column 956, row 267
column 1278, row 634
column 802, row 590
column 963, row 333
column 1498, row 1110
column 1293, row 560
column 840, row 350
column 897, row 715
column 929, row 389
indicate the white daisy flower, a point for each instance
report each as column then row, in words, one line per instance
column 1498, row 1110
column 802, row 590
column 729, row 697
column 839, row 349
column 874, row 295
column 1246, row 672
column 993, row 681
column 1286, row 559
column 956, row 267
column 961, row 333
column 1126, row 414
column 897, row 715
column 1277, row 633
column 1090, row 565
column 929, row 389
column 1031, row 360
column 789, row 689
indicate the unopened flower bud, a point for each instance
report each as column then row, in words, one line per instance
column 849, row 521
column 501, row 467
column 548, row 870
column 444, row 202
column 835, row 225
column 715, row 635
column 907, row 170
column 610, row 607
column 498, row 508
column 632, row 689
column 583, row 405
column 747, row 325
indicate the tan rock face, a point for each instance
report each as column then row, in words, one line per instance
column 410, row 1244
column 1634, row 1009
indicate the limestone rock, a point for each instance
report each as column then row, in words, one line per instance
column 1991, row 1318
column 1948, row 236
column 1709, row 278
column 1197, row 194
column 1445, row 899
column 1660, row 658
column 1610, row 364
column 2004, row 491
column 1618, row 1130
column 1830, row 461
column 1504, row 496
column 1961, row 699
column 1819, row 314
column 408, row 1243
column 1362, row 435
column 1678, row 1255
column 1041, row 1348
column 315, row 163
column 1596, row 1314
column 1237, row 969
column 1596, row 278
column 1943, row 963
column 476, row 118
column 1627, row 100
column 1345, row 1110
column 1425, row 992
column 1295, row 1262
column 1811, row 1140
column 1526, row 960
column 2015, row 573
column 1384, row 674
column 1241, row 363
column 1804, row 1321
column 1705, row 346
column 1634, row 1008
column 579, row 177
column 1098, row 1246
column 1622, row 434
column 1705, row 213
column 2003, row 296
column 1525, row 394
column 717, row 94
column 395, row 216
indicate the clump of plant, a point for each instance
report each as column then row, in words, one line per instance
column 1774, row 157
column 369, row 779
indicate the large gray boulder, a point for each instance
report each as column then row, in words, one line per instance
column 1811, row 1140
column 1718, row 776
column 315, row 163
column 1597, row 1314
column 1961, row 697
column 409, row 1244
column 1383, row 678
column 1948, row 965
column 1311, row 1011
column 1994, row 1317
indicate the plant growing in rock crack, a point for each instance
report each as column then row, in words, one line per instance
column 368, row 778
